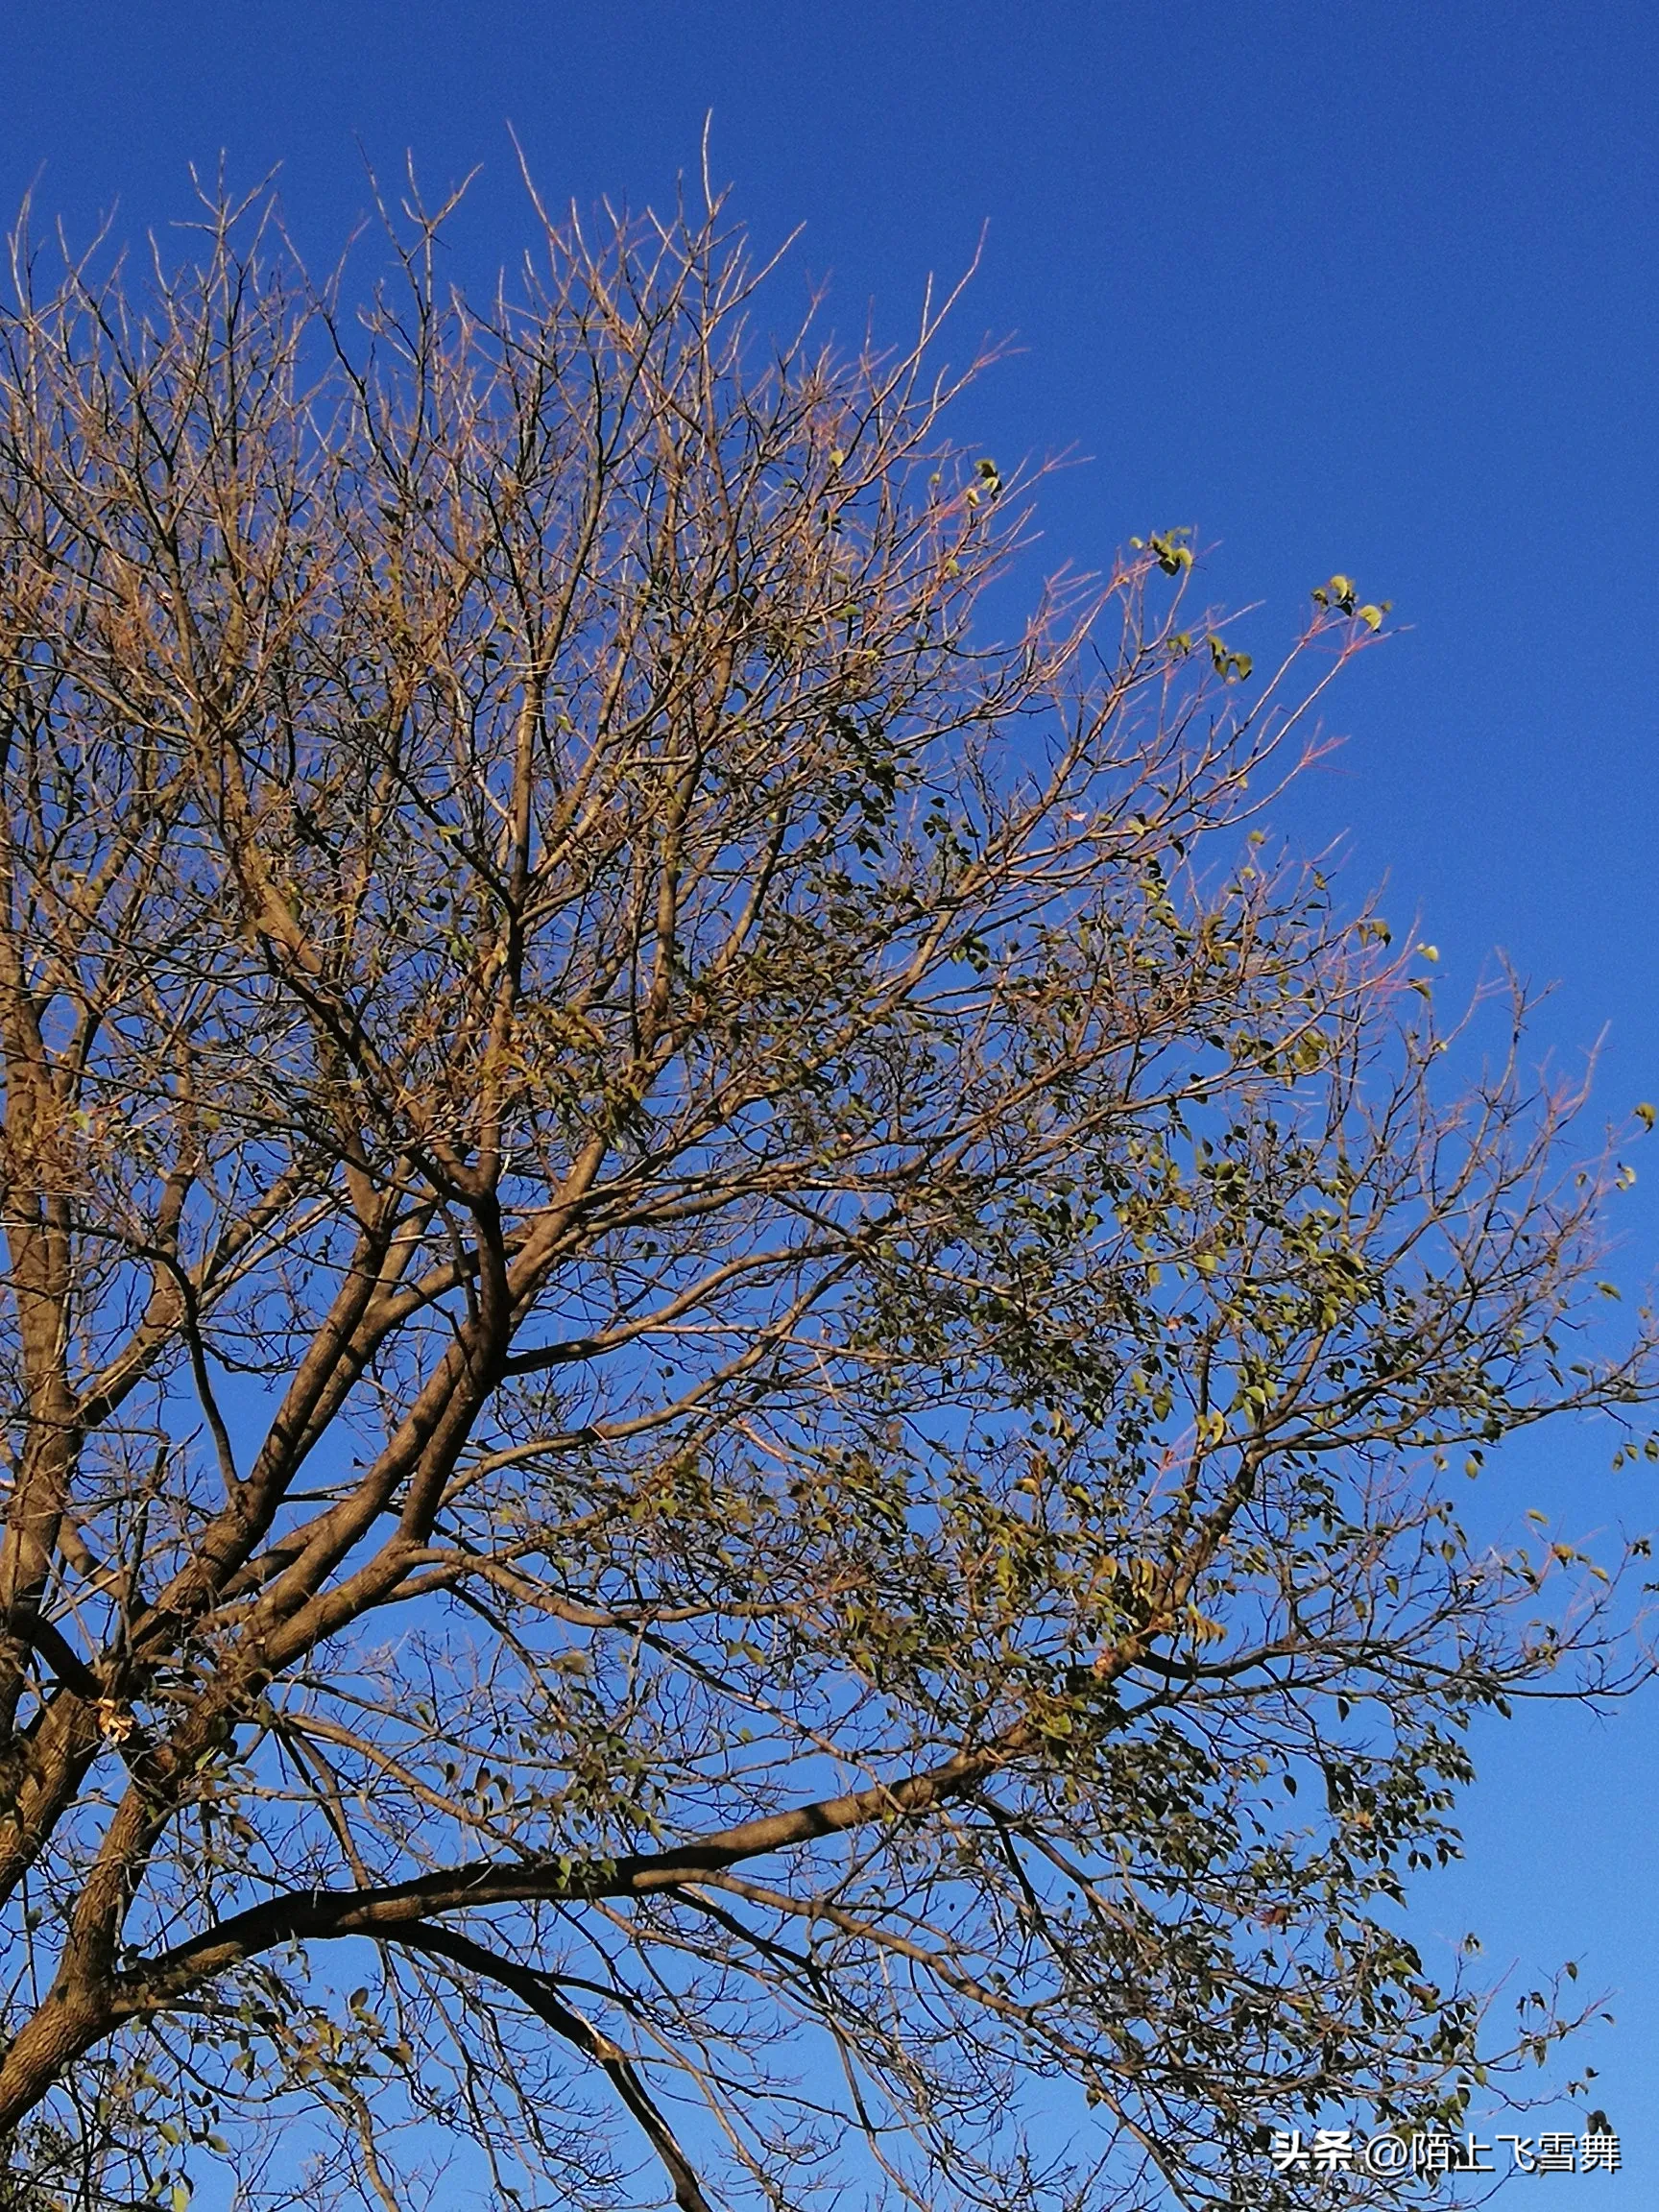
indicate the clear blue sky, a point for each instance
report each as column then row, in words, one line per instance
column 1369, row 289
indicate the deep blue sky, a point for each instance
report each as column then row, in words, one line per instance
column 1368, row 288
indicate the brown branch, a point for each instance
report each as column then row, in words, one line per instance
column 540, row 1992
column 316, row 1914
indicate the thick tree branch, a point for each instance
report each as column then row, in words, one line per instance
column 541, row 1993
column 307, row 1916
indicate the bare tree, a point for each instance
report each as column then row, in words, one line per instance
column 726, row 1335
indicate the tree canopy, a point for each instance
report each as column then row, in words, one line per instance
column 733, row 1339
